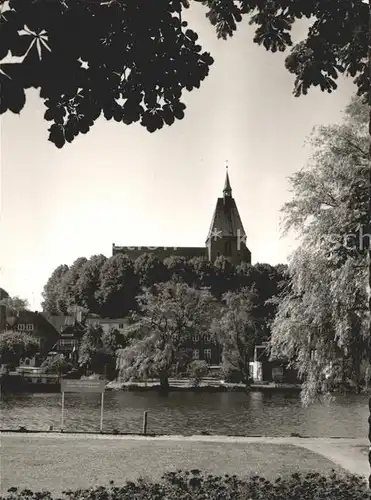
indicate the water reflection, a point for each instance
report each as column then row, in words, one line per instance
column 231, row 413
column 256, row 400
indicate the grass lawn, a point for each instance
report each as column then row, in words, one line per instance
column 54, row 464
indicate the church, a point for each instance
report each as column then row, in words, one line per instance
column 226, row 236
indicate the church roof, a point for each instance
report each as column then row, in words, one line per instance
column 226, row 220
column 227, row 186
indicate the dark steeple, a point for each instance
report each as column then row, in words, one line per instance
column 226, row 234
column 227, row 191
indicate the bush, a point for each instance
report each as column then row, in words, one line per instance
column 231, row 375
column 197, row 370
column 93, row 376
column 58, row 366
column 194, row 485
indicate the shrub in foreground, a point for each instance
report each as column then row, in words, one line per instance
column 193, row 485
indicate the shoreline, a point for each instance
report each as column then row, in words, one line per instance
column 203, row 436
column 174, row 386
column 203, row 387
column 213, row 438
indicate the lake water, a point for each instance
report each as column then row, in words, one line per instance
column 230, row 413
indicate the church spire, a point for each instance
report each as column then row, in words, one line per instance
column 227, row 191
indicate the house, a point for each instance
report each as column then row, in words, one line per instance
column 205, row 348
column 118, row 324
column 265, row 370
column 72, row 328
column 32, row 323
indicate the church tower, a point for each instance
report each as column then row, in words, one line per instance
column 227, row 236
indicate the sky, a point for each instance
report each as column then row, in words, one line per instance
column 120, row 184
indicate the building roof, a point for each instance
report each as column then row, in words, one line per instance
column 113, row 320
column 160, row 252
column 58, row 321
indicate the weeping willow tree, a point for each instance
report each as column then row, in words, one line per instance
column 161, row 337
column 322, row 321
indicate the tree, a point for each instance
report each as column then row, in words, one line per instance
column 88, row 283
column 112, row 341
column 224, row 276
column 336, row 43
column 169, row 316
column 14, row 346
column 118, row 287
column 150, row 270
column 52, row 290
column 181, row 267
column 67, row 297
column 57, row 365
column 198, row 369
column 91, row 344
column 91, row 73
column 98, row 350
column 3, row 294
column 204, row 272
column 131, row 62
column 322, row 320
column 236, row 331
column 268, row 281
column 14, row 304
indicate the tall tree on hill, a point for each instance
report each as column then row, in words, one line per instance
column 119, row 286
column 181, row 267
column 322, row 322
column 52, row 290
column 67, row 297
column 224, row 276
column 150, row 270
column 245, row 275
column 169, row 316
column 204, row 272
column 88, row 283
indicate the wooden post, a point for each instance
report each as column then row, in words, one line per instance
column 62, row 416
column 145, row 423
column 101, row 412
column 369, row 221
